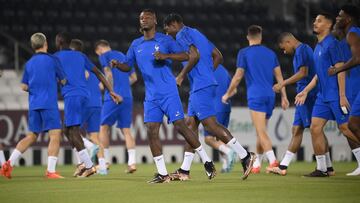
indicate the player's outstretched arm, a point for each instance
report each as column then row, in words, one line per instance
column 235, row 81
column 301, row 97
column 182, row 56
column 341, row 82
column 302, row 73
column 194, row 57
column 217, row 57
column 116, row 98
column 279, row 79
column 121, row 66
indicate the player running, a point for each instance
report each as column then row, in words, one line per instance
column 259, row 64
column 161, row 94
column 111, row 112
column 76, row 95
column 41, row 74
column 199, row 69
column 346, row 27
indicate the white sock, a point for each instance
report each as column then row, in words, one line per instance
column 160, row 165
column 14, row 157
column 107, row 155
column 2, row 157
column 77, row 156
column 51, row 164
column 321, row 163
column 328, row 159
column 224, row 149
column 88, row 144
column 223, row 161
column 131, row 155
column 188, row 158
column 287, row 158
column 102, row 164
column 236, row 146
column 85, row 158
column 258, row 160
column 271, row 156
column 356, row 153
column 203, row 155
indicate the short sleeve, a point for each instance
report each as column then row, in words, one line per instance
column 88, row 64
column 335, row 53
column 275, row 61
column 212, row 46
column 241, row 60
column 130, row 56
column 103, row 61
column 25, row 78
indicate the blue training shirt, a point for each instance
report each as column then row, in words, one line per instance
column 223, row 79
column 74, row 64
column 94, row 91
column 327, row 53
column 41, row 74
column 304, row 56
column 158, row 78
column 121, row 83
column 201, row 75
column 354, row 82
column 258, row 63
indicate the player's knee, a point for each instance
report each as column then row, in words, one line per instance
column 353, row 126
column 31, row 137
column 315, row 129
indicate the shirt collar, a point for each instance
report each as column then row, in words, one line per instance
column 156, row 38
column 326, row 39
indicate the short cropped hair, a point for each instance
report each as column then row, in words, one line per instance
column 173, row 17
column 37, row 40
column 77, row 44
column 102, row 43
column 254, row 30
column 351, row 11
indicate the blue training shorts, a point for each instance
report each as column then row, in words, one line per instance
column 303, row 113
column 42, row 120
column 74, row 110
column 170, row 106
column 120, row 113
column 355, row 106
column 91, row 119
column 202, row 103
column 262, row 104
column 329, row 111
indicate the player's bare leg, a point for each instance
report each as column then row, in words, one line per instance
column 130, row 146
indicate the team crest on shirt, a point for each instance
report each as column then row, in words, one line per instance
column 319, row 53
column 157, row 48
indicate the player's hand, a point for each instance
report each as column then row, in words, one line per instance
column 300, row 98
column 179, row 79
column 87, row 75
column 277, row 87
column 284, row 103
column 344, row 102
column 114, row 63
column 332, row 71
column 225, row 98
column 116, row 98
column 160, row 56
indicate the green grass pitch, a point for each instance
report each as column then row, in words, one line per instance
column 29, row 185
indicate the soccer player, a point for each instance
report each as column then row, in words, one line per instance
column 259, row 64
column 111, row 112
column 304, row 71
column 91, row 122
column 40, row 78
column 227, row 155
column 76, row 95
column 331, row 98
column 346, row 22
column 161, row 96
column 199, row 69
